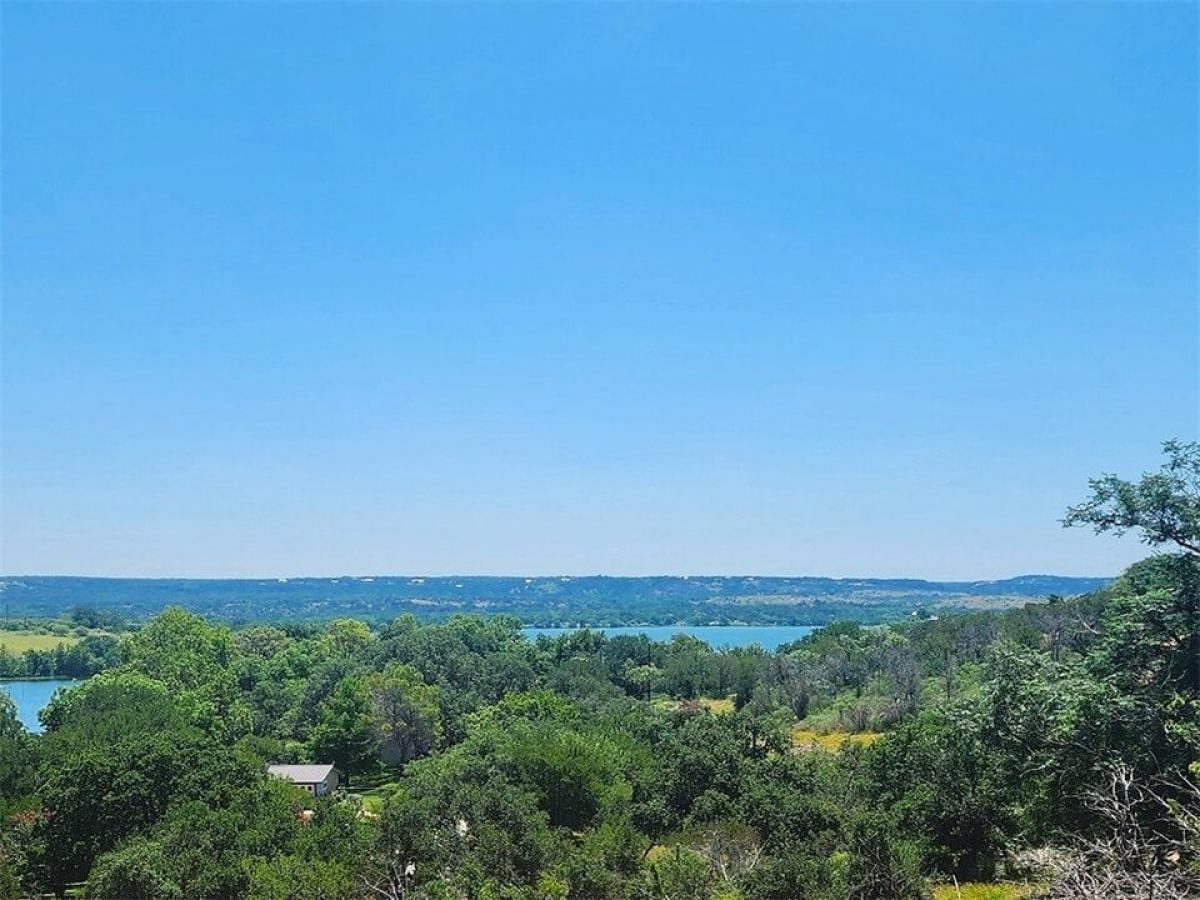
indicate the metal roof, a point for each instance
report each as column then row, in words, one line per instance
column 301, row 774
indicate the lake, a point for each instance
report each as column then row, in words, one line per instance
column 766, row 636
column 31, row 696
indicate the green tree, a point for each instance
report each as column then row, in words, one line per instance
column 345, row 637
column 940, row 784
column 110, row 705
column 1149, row 651
column 346, row 732
column 456, row 818
column 137, row 870
column 643, row 678
column 883, row 863
column 406, row 713
column 196, row 662
column 1163, row 507
column 10, row 883
column 677, row 874
column 688, row 666
column 293, row 877
column 18, row 755
column 1152, row 633
column 119, row 756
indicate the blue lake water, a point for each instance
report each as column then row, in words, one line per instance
column 31, row 696
column 766, row 636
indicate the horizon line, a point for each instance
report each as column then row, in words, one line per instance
column 553, row 577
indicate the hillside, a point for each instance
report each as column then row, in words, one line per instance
column 595, row 600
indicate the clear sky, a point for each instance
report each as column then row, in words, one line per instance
column 387, row 288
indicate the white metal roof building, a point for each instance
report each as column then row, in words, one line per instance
column 318, row 780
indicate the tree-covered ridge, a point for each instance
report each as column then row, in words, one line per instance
column 1056, row 745
column 590, row 600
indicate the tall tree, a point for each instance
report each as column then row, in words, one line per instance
column 406, row 713
column 345, row 732
column 1163, row 506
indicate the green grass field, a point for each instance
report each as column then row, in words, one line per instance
column 20, row 641
column 1004, row 891
column 372, row 798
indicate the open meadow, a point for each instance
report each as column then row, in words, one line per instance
column 17, row 642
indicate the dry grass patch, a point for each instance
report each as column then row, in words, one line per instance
column 833, row 741
column 716, row 705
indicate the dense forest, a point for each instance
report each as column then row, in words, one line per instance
column 1051, row 750
column 561, row 600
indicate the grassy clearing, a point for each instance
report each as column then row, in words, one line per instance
column 372, row 798
column 832, row 741
column 716, row 705
column 20, row 641
column 977, row 891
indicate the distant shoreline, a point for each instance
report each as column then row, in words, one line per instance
column 559, row 601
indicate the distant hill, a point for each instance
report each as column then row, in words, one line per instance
column 593, row 600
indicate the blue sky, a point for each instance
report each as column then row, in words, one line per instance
column 382, row 288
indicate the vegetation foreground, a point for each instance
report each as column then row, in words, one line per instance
column 1048, row 751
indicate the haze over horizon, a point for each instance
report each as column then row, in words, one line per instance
column 572, row 289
